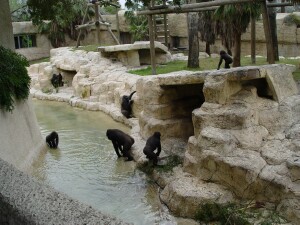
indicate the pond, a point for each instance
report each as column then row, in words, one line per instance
column 86, row 167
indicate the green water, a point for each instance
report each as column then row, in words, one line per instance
column 86, row 167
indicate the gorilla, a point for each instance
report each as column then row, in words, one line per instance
column 227, row 58
column 152, row 144
column 126, row 105
column 56, row 80
column 120, row 139
column 52, row 139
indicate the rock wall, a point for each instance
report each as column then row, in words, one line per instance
column 20, row 135
column 238, row 130
column 28, row 202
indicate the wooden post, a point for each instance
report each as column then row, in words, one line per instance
column 253, row 39
column 152, row 45
column 97, row 23
column 267, row 29
column 118, row 25
column 79, row 35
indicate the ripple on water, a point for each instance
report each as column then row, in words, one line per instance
column 86, row 167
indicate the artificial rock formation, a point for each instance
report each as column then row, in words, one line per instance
column 238, row 130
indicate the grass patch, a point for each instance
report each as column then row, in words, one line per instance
column 233, row 214
column 211, row 64
column 88, row 48
column 172, row 161
column 46, row 59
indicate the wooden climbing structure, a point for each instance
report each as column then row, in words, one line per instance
column 98, row 20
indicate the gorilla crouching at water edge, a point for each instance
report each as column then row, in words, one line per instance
column 121, row 141
column 126, row 103
column 152, row 144
column 52, row 139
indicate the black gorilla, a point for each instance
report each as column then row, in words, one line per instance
column 56, row 80
column 152, row 144
column 227, row 58
column 120, row 139
column 126, row 109
column 52, row 139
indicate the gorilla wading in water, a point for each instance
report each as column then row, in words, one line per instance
column 52, row 139
column 56, row 80
column 126, row 109
column 121, row 141
column 227, row 58
column 152, row 144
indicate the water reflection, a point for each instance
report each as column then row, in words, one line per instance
column 86, row 167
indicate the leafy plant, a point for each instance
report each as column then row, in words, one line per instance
column 292, row 19
column 227, row 214
column 14, row 79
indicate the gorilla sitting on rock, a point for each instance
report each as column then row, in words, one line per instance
column 121, row 141
column 56, row 80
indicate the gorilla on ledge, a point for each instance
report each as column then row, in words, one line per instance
column 227, row 58
column 52, row 139
column 152, row 144
column 121, row 141
column 126, row 103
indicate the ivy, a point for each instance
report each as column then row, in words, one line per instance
column 14, row 79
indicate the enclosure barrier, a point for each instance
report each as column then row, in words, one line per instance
column 24, row 200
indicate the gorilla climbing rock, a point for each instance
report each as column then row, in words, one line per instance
column 121, row 141
column 126, row 103
column 152, row 144
column 52, row 139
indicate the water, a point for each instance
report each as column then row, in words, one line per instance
column 86, row 167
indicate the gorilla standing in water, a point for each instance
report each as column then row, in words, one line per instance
column 120, row 139
column 152, row 144
column 126, row 109
column 227, row 58
column 52, row 139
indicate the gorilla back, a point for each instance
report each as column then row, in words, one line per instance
column 121, row 141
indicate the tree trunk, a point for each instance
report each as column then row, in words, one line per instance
column 6, row 34
column 267, row 29
column 237, row 50
column 207, row 48
column 273, row 25
column 253, row 39
column 193, row 58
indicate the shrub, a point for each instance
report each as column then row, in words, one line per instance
column 14, row 79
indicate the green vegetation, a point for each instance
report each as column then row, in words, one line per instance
column 14, row 79
column 232, row 214
column 172, row 161
column 47, row 59
column 292, row 19
column 88, row 48
column 210, row 64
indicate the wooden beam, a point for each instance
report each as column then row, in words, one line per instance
column 176, row 9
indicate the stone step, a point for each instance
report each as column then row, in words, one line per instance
column 185, row 194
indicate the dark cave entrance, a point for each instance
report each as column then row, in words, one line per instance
column 182, row 100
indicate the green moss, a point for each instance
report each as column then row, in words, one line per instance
column 14, row 79
column 172, row 161
column 88, row 48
